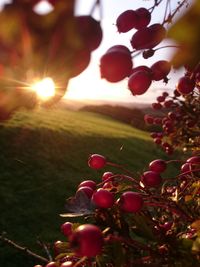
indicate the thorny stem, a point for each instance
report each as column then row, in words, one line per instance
column 23, row 249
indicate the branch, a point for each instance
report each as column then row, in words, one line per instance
column 23, row 249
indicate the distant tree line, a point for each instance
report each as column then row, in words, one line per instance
column 131, row 116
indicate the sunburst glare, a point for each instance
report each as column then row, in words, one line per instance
column 44, row 88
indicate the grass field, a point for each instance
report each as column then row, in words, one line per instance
column 43, row 157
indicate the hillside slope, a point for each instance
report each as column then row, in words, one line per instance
column 44, row 156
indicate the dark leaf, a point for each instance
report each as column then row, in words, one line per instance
column 79, row 205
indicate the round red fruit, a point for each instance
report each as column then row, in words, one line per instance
column 185, row 85
column 130, row 202
column 107, row 175
column 160, row 70
column 139, row 82
column 121, row 48
column 90, row 31
column 194, row 160
column 126, row 21
column 103, row 198
column 66, row 228
column 88, row 183
column 149, row 37
column 151, row 179
column 67, row 264
column 86, row 190
column 87, row 240
column 157, row 165
column 115, row 65
column 51, row 264
column 141, row 68
column 156, row 105
column 96, row 161
column 143, row 18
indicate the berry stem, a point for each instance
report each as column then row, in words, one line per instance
column 130, row 242
column 120, row 167
column 177, row 211
column 169, row 18
column 44, row 246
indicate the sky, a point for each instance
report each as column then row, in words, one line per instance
column 89, row 85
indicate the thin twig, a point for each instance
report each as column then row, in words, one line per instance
column 44, row 246
column 23, row 249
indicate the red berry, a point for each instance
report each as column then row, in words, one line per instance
column 157, row 165
column 115, row 65
column 194, row 160
column 153, row 135
column 156, row 106
column 96, row 161
column 160, row 98
column 56, row 247
column 103, row 198
column 141, row 68
column 130, row 202
column 186, row 167
column 37, row 265
column 143, row 18
column 148, row 37
column 148, row 119
column 157, row 140
column 107, row 175
column 88, row 183
column 165, row 94
column 185, row 85
column 139, row 82
column 51, row 264
column 176, row 93
column 121, row 48
column 87, row 190
column 151, row 179
column 66, row 228
column 157, row 121
column 87, row 240
column 67, row 264
column 168, row 103
column 126, row 21
column 90, row 31
column 79, row 61
column 160, row 70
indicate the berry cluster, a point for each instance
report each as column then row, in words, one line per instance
column 117, row 63
column 141, row 215
column 179, row 117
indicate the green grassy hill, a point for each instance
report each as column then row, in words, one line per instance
column 43, row 157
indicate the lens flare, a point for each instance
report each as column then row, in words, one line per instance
column 45, row 88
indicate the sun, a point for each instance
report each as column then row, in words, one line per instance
column 44, row 88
